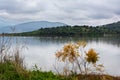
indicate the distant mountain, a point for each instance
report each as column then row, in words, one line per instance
column 113, row 26
column 30, row 26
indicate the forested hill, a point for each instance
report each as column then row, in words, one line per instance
column 114, row 26
column 71, row 31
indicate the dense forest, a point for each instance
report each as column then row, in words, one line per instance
column 72, row 31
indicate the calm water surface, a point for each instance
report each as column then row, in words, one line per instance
column 41, row 50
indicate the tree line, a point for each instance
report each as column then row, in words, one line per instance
column 71, row 31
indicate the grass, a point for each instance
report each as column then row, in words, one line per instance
column 10, row 71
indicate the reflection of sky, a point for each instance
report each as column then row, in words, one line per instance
column 43, row 56
column 109, row 56
column 41, row 51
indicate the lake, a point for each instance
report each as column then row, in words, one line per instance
column 41, row 51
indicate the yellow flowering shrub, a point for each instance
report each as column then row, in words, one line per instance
column 69, row 53
column 75, row 54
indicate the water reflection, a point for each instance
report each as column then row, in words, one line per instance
column 41, row 51
column 109, row 40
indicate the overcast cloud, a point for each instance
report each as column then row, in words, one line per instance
column 88, row 12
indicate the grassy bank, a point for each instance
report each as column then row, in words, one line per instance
column 11, row 71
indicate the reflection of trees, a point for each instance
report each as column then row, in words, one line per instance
column 109, row 40
column 59, row 40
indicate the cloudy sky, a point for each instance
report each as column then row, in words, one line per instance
column 88, row 12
